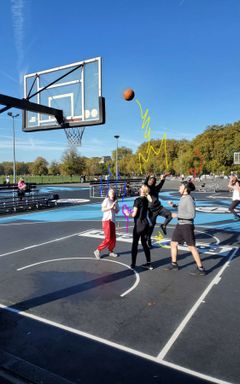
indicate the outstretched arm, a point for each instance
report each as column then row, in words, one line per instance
column 162, row 181
column 146, row 180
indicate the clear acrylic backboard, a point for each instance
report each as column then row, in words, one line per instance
column 76, row 89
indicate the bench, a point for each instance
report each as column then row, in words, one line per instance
column 10, row 202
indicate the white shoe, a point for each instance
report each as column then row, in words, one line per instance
column 112, row 254
column 97, row 254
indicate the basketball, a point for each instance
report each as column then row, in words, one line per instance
column 128, row 94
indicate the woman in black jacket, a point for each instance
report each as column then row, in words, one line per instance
column 141, row 226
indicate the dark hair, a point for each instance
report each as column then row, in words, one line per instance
column 189, row 186
column 152, row 177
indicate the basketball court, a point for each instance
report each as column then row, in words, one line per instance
column 67, row 317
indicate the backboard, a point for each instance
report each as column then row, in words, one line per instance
column 76, row 89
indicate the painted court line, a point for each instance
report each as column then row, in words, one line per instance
column 188, row 317
column 113, row 345
column 137, row 277
column 40, row 244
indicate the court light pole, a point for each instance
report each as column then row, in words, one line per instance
column 117, row 137
column 14, row 145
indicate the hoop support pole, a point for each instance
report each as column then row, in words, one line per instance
column 24, row 104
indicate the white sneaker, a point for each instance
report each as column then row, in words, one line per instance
column 113, row 254
column 97, row 254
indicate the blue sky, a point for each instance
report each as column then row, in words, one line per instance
column 181, row 57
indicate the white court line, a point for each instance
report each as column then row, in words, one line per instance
column 188, row 317
column 113, row 345
column 88, row 258
column 107, row 342
column 207, row 234
column 40, row 244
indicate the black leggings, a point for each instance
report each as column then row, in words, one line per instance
column 153, row 218
column 233, row 206
column 136, row 236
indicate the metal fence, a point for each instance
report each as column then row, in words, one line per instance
column 123, row 188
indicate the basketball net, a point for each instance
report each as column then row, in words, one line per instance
column 74, row 135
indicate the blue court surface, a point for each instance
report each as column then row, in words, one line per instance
column 66, row 317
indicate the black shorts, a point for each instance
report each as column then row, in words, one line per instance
column 184, row 233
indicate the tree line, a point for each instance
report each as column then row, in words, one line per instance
column 210, row 152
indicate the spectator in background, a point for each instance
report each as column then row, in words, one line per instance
column 128, row 189
column 7, row 180
column 21, row 188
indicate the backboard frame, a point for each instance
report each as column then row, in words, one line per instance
column 33, row 89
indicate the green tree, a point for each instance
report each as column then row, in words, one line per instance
column 40, row 166
column 72, row 163
column 1, row 169
column 124, row 154
column 22, row 168
column 8, row 167
column 54, row 168
column 93, row 166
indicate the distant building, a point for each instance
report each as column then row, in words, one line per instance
column 105, row 159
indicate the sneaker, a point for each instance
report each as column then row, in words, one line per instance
column 163, row 229
column 172, row 267
column 148, row 266
column 198, row 272
column 112, row 254
column 97, row 254
column 133, row 266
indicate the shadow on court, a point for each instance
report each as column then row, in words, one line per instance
column 44, row 354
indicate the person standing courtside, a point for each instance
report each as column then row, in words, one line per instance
column 141, row 225
column 109, row 208
column 155, row 207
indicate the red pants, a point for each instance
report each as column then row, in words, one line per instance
column 110, row 236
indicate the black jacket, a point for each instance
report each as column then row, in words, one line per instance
column 155, row 205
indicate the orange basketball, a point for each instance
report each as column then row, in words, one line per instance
column 128, row 94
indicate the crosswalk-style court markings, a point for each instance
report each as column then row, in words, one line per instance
column 203, row 247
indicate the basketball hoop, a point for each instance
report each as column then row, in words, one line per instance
column 74, row 135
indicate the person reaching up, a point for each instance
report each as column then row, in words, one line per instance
column 155, row 207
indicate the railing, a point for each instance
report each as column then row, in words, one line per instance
column 123, row 188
